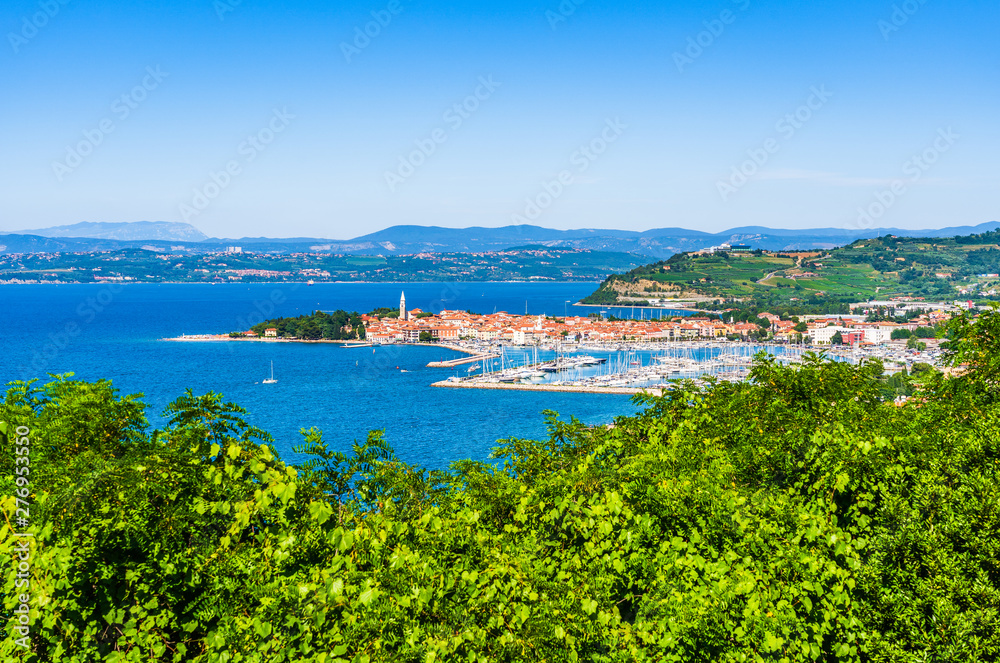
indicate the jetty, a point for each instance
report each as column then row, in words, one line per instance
column 461, row 360
column 585, row 389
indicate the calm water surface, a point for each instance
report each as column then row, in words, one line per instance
column 100, row 331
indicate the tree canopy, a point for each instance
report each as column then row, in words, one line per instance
column 336, row 326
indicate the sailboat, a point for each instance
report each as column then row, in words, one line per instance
column 271, row 379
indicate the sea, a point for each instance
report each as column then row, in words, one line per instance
column 117, row 331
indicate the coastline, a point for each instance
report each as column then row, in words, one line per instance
column 224, row 338
column 295, row 283
column 211, row 338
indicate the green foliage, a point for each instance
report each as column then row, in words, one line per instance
column 385, row 312
column 336, row 326
column 790, row 285
column 798, row 516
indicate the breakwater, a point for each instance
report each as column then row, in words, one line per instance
column 565, row 388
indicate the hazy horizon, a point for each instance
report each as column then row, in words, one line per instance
column 580, row 229
column 308, row 120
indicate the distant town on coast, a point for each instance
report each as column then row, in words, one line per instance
column 414, row 325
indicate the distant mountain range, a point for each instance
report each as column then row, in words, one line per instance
column 659, row 243
column 134, row 231
column 401, row 240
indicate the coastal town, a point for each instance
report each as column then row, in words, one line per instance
column 613, row 355
column 414, row 325
column 417, row 326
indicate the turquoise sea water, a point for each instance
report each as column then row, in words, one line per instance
column 106, row 331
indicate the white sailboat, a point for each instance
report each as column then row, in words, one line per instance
column 271, row 379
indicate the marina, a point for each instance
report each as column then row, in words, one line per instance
column 617, row 367
column 636, row 367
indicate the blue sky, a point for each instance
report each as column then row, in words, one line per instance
column 702, row 115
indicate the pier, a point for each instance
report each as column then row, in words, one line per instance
column 461, row 360
column 623, row 391
column 636, row 367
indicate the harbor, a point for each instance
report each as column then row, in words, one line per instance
column 597, row 355
column 637, row 367
column 616, row 367
column 563, row 388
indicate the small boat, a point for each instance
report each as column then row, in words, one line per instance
column 271, row 379
column 310, row 282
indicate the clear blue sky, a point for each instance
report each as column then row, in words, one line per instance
column 918, row 83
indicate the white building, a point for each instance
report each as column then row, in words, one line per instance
column 487, row 334
column 826, row 334
column 873, row 335
column 878, row 335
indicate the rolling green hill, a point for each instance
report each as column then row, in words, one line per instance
column 951, row 268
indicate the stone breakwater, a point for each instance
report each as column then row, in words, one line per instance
column 621, row 391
